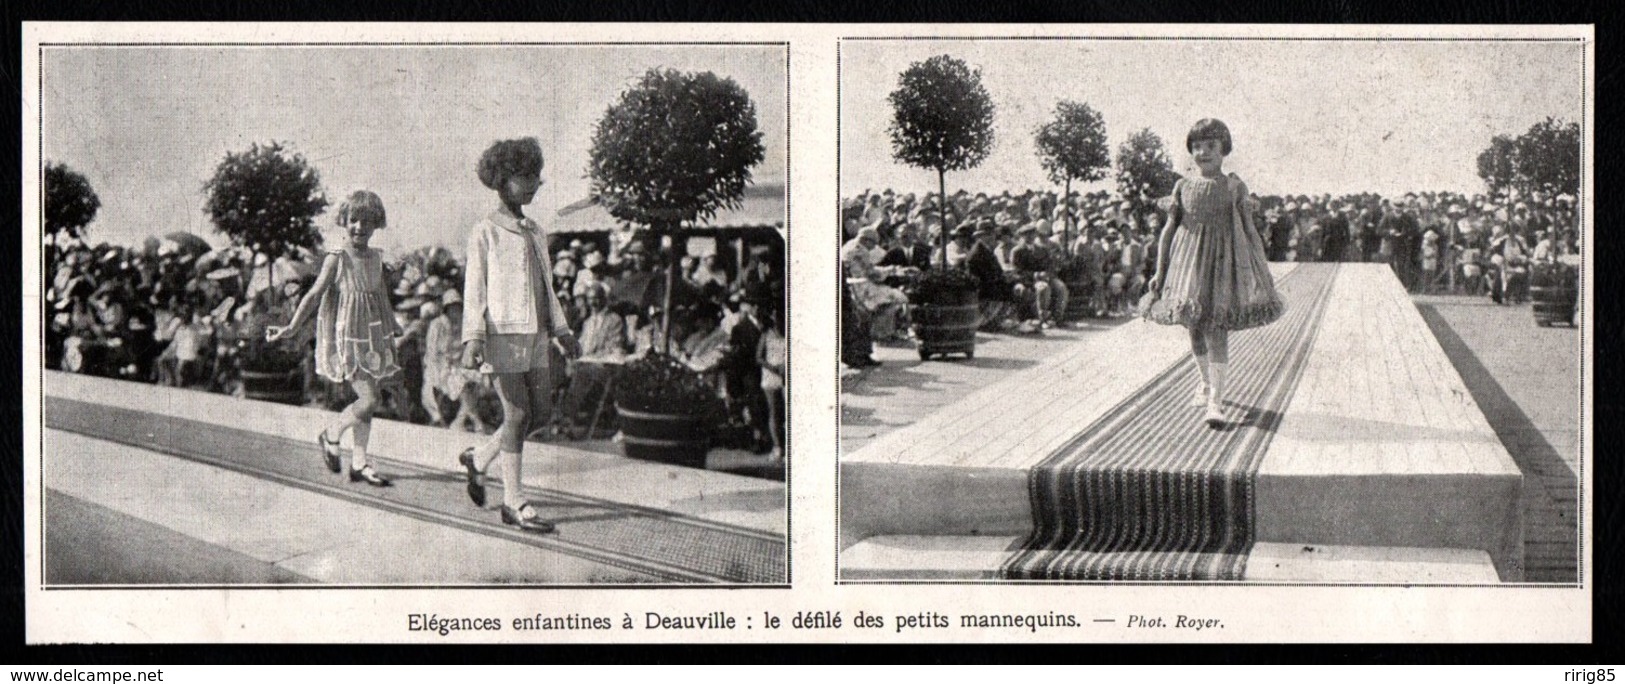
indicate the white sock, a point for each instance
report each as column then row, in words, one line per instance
column 1202, row 366
column 511, row 468
column 335, row 430
column 1218, row 371
column 363, row 434
column 487, row 452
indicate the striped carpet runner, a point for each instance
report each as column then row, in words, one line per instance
column 1149, row 492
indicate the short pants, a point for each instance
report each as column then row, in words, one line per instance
column 516, row 353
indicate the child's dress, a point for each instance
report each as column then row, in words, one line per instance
column 1218, row 277
column 355, row 324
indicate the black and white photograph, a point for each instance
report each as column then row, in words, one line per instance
column 427, row 314
column 1213, row 310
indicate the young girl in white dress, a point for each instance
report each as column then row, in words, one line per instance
column 1212, row 274
column 355, row 331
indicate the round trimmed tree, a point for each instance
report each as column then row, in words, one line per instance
column 1072, row 146
column 266, row 199
column 677, row 147
column 1548, row 157
column 1144, row 171
column 942, row 119
column 70, row 205
column 1497, row 164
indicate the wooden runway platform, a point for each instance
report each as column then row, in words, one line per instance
column 154, row 485
column 1372, row 460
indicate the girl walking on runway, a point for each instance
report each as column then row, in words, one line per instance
column 1212, row 276
column 355, row 331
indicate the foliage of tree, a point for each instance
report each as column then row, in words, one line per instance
column 942, row 119
column 1144, row 171
column 70, row 203
column 1546, row 158
column 1496, row 164
column 266, row 199
column 1072, row 147
column 675, row 148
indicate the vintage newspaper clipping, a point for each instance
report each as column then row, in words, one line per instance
column 807, row 333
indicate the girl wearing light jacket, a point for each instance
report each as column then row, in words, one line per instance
column 510, row 316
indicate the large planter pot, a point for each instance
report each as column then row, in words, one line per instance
column 947, row 324
column 1078, row 304
column 274, row 375
column 676, row 439
column 1554, row 291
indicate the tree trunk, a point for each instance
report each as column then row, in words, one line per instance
column 1066, row 227
column 671, row 271
column 942, row 212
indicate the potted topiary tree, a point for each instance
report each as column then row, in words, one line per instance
column 1072, row 146
column 675, row 148
column 942, row 119
column 265, row 199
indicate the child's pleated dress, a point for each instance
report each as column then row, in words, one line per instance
column 1218, row 276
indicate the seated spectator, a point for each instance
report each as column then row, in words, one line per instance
column 857, row 351
column 995, row 293
column 706, row 344
column 886, row 306
column 444, row 374
column 603, row 341
column 909, row 253
column 1035, row 273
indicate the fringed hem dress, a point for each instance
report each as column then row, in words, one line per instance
column 355, row 325
column 1218, row 277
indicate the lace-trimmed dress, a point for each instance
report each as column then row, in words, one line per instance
column 355, row 324
column 1218, row 276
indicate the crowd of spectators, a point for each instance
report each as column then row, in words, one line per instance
column 183, row 315
column 1041, row 260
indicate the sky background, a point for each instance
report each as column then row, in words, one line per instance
column 147, row 126
column 1306, row 116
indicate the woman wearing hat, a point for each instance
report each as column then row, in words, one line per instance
column 442, row 372
column 887, row 306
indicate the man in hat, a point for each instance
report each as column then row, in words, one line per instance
column 961, row 241
column 1334, row 233
column 997, row 298
column 1036, row 281
column 641, row 283
column 742, row 376
column 909, row 251
column 604, row 339
column 1091, row 259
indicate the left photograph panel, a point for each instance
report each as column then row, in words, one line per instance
column 413, row 314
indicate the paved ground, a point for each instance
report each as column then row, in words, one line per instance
column 905, row 389
column 1526, row 380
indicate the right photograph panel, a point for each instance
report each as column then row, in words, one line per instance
column 1212, row 310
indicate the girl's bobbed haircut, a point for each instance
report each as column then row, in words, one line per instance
column 1209, row 129
column 505, row 159
column 364, row 206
